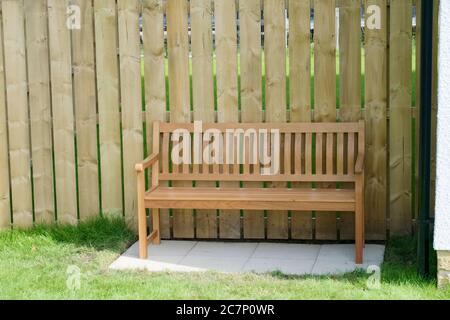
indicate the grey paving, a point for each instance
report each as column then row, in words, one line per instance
column 292, row 259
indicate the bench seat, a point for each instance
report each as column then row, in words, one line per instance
column 251, row 198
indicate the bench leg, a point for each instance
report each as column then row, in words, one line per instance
column 142, row 217
column 359, row 219
column 155, row 219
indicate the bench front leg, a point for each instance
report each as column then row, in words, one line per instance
column 359, row 218
column 142, row 217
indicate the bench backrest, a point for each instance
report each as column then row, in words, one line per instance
column 309, row 152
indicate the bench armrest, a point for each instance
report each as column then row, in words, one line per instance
column 359, row 165
column 148, row 162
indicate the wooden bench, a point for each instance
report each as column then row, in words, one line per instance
column 337, row 150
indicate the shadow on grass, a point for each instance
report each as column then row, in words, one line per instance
column 101, row 233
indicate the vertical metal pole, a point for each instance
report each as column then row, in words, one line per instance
column 425, row 136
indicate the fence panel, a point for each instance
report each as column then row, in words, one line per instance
column 203, row 94
column 17, row 100
column 5, row 212
column 325, row 91
column 155, row 79
column 376, row 125
column 350, row 83
column 85, row 103
column 107, row 72
column 275, row 63
column 400, row 103
column 251, row 92
column 179, row 95
column 131, row 101
column 63, row 112
column 40, row 108
column 300, row 94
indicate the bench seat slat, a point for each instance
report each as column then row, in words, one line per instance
column 252, row 198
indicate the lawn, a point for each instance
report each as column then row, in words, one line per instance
column 41, row 262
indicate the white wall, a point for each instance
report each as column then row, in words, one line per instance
column 442, row 222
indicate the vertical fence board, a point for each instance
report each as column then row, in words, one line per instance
column 131, row 101
column 275, row 56
column 203, row 94
column 179, row 95
column 17, row 100
column 227, row 93
column 400, row 117
column 36, row 21
column 251, row 92
column 62, row 106
column 85, row 103
column 5, row 214
column 108, row 106
column 376, row 126
column 350, row 83
column 155, row 80
column 300, row 92
column 325, row 90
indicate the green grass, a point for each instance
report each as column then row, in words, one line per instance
column 33, row 265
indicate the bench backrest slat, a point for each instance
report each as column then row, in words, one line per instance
column 307, row 152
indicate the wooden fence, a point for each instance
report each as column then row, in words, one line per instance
column 79, row 90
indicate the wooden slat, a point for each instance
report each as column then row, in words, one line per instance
column 62, row 106
column 203, row 94
column 16, row 94
column 252, row 205
column 85, row 103
column 325, row 89
column 308, row 153
column 130, row 83
column 283, row 127
column 329, row 154
column 275, row 62
column 351, row 142
column 155, row 80
column 259, row 178
column 319, row 154
column 298, row 195
column 400, row 117
column 165, row 152
column 178, row 54
column 350, row 85
column 298, row 153
column 300, row 94
column 340, row 153
column 36, row 22
column 287, row 153
column 107, row 68
column 5, row 214
column 376, row 126
column 251, row 92
column 227, row 94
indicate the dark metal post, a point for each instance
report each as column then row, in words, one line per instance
column 425, row 136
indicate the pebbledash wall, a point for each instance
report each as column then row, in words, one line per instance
column 442, row 213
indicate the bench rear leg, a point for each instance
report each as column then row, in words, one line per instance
column 156, row 226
